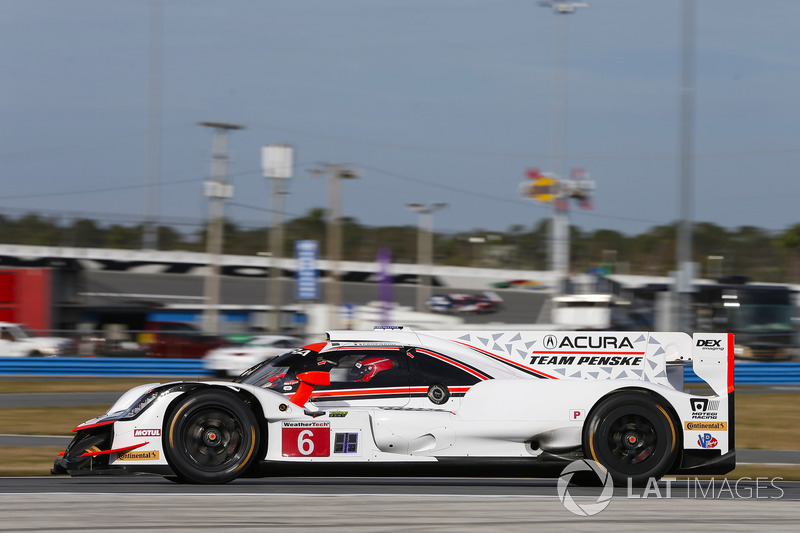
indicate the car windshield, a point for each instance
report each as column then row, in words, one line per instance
column 282, row 370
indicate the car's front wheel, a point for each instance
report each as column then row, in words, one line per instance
column 632, row 436
column 211, row 437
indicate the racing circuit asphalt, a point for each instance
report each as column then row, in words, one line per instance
column 385, row 504
column 381, row 500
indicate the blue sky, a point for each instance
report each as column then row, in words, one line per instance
column 434, row 100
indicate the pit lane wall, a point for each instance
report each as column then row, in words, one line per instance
column 746, row 373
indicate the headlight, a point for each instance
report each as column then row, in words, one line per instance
column 143, row 403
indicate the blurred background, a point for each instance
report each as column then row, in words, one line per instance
column 181, row 176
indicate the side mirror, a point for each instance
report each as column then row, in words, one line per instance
column 308, row 380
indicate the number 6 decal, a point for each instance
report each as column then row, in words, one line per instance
column 305, row 445
column 306, row 439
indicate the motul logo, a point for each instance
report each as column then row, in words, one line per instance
column 146, row 432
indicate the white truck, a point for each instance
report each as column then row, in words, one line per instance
column 16, row 342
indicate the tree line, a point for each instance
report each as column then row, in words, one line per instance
column 747, row 250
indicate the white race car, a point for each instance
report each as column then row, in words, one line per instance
column 233, row 360
column 401, row 396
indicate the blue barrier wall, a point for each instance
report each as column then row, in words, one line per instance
column 100, row 366
column 745, row 373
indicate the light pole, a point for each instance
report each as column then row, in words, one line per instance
column 153, row 154
column 424, row 248
column 559, row 244
column 686, row 269
column 333, row 295
column 217, row 190
column 277, row 161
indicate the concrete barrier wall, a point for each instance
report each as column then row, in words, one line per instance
column 746, row 373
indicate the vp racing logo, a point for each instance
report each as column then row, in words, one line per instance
column 585, row 467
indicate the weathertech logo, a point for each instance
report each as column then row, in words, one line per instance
column 146, row 432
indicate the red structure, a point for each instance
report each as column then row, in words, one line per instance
column 26, row 297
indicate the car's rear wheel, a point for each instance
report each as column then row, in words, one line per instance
column 632, row 436
column 212, row 437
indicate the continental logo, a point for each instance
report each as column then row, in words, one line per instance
column 149, row 455
column 706, row 425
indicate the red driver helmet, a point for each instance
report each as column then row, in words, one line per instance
column 368, row 368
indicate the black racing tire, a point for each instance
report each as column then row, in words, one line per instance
column 632, row 436
column 211, row 437
column 438, row 393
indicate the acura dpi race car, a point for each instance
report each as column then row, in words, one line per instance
column 402, row 396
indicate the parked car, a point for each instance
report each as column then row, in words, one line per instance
column 230, row 361
column 15, row 341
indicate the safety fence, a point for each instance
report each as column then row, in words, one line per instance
column 746, row 373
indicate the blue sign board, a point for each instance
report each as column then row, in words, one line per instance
column 307, row 285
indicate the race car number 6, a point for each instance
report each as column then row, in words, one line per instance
column 306, row 441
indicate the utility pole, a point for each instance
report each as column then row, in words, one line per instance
column 424, row 249
column 333, row 294
column 217, row 190
column 277, row 162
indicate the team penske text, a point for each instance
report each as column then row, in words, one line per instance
column 612, row 360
